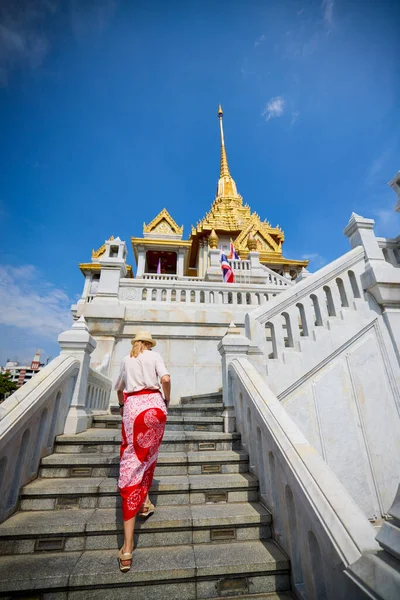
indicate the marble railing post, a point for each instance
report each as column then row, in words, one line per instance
column 380, row 571
column 257, row 273
column 381, row 279
column 214, row 272
column 78, row 342
column 232, row 345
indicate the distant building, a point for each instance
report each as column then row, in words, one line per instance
column 23, row 373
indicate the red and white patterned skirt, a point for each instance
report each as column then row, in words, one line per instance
column 143, row 425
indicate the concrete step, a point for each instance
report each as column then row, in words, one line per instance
column 99, row 492
column 97, row 441
column 169, row 463
column 184, row 571
column 212, row 398
column 174, row 423
column 271, row 596
column 102, row 528
column 197, row 410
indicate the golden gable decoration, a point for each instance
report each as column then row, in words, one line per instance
column 101, row 250
column 163, row 223
column 267, row 238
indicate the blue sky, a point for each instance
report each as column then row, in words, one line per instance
column 108, row 114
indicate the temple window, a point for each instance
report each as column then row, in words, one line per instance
column 114, row 251
column 166, row 260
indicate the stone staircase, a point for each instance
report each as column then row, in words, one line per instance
column 209, row 536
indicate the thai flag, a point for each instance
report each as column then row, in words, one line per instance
column 159, row 266
column 227, row 273
column 232, row 252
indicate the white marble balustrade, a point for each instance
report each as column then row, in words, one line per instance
column 30, row 419
column 296, row 313
column 98, row 392
column 196, row 291
column 316, row 521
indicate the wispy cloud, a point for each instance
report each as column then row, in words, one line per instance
column 31, row 303
column 91, row 17
column 22, row 42
column 316, row 260
column 327, row 7
column 259, row 40
column 274, row 108
column 387, row 221
column 295, row 116
column 374, row 172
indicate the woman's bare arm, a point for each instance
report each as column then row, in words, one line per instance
column 166, row 386
column 120, row 395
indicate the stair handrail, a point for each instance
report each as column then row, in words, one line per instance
column 264, row 313
column 30, row 419
column 339, row 531
column 286, row 282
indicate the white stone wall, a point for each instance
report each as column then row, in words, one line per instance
column 348, row 411
column 187, row 338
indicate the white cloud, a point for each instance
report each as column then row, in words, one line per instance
column 274, row 108
column 21, row 40
column 91, row 17
column 327, row 7
column 316, row 260
column 387, row 221
column 295, row 116
column 31, row 303
column 259, row 40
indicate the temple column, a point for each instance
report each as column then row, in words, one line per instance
column 180, row 262
column 141, row 264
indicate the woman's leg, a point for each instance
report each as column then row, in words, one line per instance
column 129, row 528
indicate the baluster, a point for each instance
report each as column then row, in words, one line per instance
column 309, row 325
column 294, row 317
column 320, row 294
column 168, row 298
column 279, row 333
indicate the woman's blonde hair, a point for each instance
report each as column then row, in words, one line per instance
column 139, row 347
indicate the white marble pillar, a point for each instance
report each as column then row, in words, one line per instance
column 141, row 264
column 180, row 263
column 78, row 342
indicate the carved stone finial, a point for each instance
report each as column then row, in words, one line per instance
column 251, row 243
column 213, row 240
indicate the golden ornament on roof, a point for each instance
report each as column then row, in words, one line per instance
column 251, row 243
column 213, row 240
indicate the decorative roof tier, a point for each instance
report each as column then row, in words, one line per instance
column 162, row 224
column 228, row 215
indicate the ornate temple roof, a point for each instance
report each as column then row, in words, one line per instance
column 229, row 216
column 163, row 224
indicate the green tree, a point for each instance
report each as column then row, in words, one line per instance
column 6, row 385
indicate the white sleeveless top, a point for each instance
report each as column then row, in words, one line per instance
column 143, row 372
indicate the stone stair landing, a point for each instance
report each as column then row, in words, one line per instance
column 209, row 536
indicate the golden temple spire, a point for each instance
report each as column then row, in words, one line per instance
column 226, row 186
column 224, row 169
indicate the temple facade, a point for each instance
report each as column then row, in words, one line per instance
column 176, row 288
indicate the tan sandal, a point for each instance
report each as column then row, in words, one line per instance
column 124, row 557
column 149, row 510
